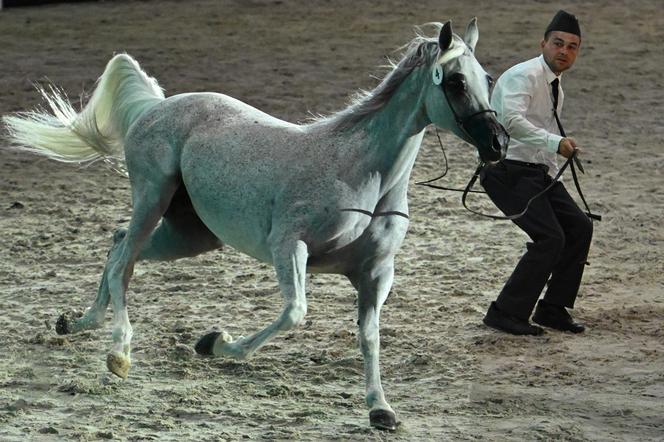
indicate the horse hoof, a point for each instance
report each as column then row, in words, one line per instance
column 383, row 420
column 118, row 364
column 205, row 345
column 63, row 325
column 119, row 235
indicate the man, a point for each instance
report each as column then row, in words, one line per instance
column 524, row 98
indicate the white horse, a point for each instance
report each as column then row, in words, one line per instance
column 326, row 196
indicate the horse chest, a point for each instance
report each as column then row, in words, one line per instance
column 358, row 240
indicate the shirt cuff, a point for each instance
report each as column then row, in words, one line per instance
column 553, row 142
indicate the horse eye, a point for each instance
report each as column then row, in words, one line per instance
column 457, row 82
column 490, row 81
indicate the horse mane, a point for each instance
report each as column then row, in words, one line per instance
column 421, row 50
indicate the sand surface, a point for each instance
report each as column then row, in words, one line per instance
column 447, row 375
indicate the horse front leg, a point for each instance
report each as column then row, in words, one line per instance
column 290, row 263
column 373, row 285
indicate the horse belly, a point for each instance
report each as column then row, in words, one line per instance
column 235, row 208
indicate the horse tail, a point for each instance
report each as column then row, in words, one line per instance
column 121, row 95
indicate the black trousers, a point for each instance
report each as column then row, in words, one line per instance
column 559, row 230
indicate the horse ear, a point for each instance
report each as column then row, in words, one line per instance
column 445, row 37
column 472, row 34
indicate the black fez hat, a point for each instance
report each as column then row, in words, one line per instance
column 564, row 22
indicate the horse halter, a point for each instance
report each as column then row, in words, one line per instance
column 461, row 122
column 438, row 80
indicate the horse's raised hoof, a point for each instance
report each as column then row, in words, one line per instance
column 119, row 234
column 205, row 345
column 63, row 325
column 383, row 420
column 118, row 364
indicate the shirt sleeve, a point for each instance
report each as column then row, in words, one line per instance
column 512, row 102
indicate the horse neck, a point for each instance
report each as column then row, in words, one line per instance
column 393, row 133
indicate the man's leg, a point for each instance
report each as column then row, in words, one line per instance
column 510, row 187
column 566, row 275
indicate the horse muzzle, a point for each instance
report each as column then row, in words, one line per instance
column 499, row 143
column 489, row 137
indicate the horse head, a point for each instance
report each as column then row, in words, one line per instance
column 459, row 96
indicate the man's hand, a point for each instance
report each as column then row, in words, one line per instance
column 567, row 146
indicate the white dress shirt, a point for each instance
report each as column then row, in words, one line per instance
column 523, row 99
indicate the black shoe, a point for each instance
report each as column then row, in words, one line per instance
column 556, row 316
column 511, row 324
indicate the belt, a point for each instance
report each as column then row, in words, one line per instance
column 544, row 167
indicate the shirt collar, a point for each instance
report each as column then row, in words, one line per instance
column 548, row 73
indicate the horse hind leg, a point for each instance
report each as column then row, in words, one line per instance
column 290, row 264
column 93, row 318
column 180, row 234
column 153, row 188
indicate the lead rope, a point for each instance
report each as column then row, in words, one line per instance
column 473, row 179
column 578, row 187
column 427, row 183
column 554, row 90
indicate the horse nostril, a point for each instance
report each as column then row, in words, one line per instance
column 496, row 144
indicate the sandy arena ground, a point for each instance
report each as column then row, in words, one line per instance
column 447, row 375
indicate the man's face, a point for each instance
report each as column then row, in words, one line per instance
column 560, row 50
